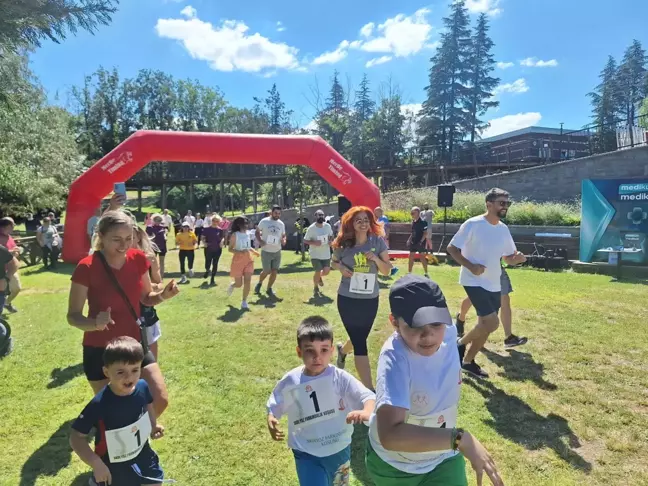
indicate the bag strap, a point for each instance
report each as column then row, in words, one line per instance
column 120, row 290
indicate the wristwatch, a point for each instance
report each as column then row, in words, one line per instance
column 456, row 438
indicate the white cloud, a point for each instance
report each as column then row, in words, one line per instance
column 378, row 60
column 517, row 86
column 333, row 56
column 189, row 12
column 490, row 7
column 509, row 123
column 412, row 108
column 311, row 126
column 227, row 46
column 401, row 35
column 280, row 27
column 505, row 65
column 367, row 30
column 535, row 62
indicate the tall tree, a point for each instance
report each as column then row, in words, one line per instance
column 276, row 112
column 363, row 110
column 606, row 107
column 443, row 109
column 482, row 84
column 631, row 79
column 386, row 137
column 26, row 23
column 333, row 120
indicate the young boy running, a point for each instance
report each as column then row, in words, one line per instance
column 413, row 439
column 123, row 416
column 321, row 402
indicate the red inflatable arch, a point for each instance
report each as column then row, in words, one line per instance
column 145, row 146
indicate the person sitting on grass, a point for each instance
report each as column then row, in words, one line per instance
column 413, row 439
column 123, row 417
column 321, row 402
column 242, row 266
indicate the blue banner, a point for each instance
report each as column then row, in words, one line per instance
column 614, row 214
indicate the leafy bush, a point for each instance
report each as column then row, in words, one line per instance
column 468, row 204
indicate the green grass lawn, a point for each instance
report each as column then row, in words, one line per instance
column 569, row 408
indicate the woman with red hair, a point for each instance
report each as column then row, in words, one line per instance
column 359, row 254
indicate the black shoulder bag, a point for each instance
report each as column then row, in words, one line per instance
column 121, row 292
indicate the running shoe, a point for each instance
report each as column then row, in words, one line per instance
column 183, row 280
column 230, row 289
column 191, row 273
column 10, row 308
column 459, row 324
column 245, row 306
column 462, row 351
column 513, row 340
column 271, row 293
column 316, row 292
column 257, row 288
column 474, row 369
column 427, row 276
column 341, row 357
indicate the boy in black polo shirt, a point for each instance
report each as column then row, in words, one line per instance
column 123, row 416
column 416, row 241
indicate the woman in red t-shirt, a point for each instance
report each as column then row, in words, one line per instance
column 109, row 315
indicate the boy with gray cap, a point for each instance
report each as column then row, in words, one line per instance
column 413, row 439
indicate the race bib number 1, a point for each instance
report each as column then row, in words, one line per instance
column 272, row 240
column 126, row 443
column 312, row 402
column 362, row 283
column 446, row 419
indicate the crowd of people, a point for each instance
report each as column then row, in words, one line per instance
column 412, row 407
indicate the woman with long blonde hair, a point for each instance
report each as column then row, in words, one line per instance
column 360, row 252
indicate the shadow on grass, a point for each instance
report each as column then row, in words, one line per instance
column 206, row 286
column 60, row 376
column 53, row 456
column 61, row 269
column 520, row 366
column 516, row 421
column 82, row 480
column 358, row 450
column 319, row 300
column 232, row 314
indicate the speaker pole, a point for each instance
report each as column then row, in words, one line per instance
column 445, row 219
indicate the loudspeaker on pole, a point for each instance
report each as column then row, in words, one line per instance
column 445, row 195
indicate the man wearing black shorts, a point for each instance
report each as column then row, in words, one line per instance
column 416, row 241
column 478, row 247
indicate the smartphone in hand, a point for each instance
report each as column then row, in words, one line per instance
column 120, row 188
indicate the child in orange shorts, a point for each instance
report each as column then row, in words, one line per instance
column 243, row 261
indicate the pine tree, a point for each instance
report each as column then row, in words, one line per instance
column 443, row 116
column 631, row 79
column 482, row 84
column 386, row 137
column 363, row 109
column 606, row 107
column 333, row 120
column 275, row 110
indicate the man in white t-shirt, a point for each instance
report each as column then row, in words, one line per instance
column 428, row 216
column 478, row 247
column 318, row 237
column 321, row 402
column 191, row 219
column 167, row 220
column 413, row 439
column 271, row 235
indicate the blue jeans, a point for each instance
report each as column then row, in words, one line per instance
column 323, row 471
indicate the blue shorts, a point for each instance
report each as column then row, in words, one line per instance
column 484, row 301
column 323, row 471
column 126, row 473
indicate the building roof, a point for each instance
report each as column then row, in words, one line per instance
column 526, row 131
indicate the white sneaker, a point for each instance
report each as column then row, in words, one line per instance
column 230, row 289
column 245, row 306
column 191, row 274
column 183, row 280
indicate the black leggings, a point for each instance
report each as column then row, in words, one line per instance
column 358, row 316
column 212, row 256
column 186, row 255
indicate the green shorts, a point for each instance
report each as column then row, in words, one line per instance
column 451, row 472
column 320, row 264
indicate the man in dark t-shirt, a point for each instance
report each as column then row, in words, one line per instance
column 416, row 241
column 212, row 236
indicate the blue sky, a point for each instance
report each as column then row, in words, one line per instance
column 550, row 51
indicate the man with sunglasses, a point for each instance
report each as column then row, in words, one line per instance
column 478, row 247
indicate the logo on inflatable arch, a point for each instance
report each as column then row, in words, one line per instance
column 340, row 173
column 115, row 163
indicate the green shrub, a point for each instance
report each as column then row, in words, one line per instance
column 468, row 204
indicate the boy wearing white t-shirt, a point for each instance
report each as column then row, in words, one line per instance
column 321, row 402
column 413, row 439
